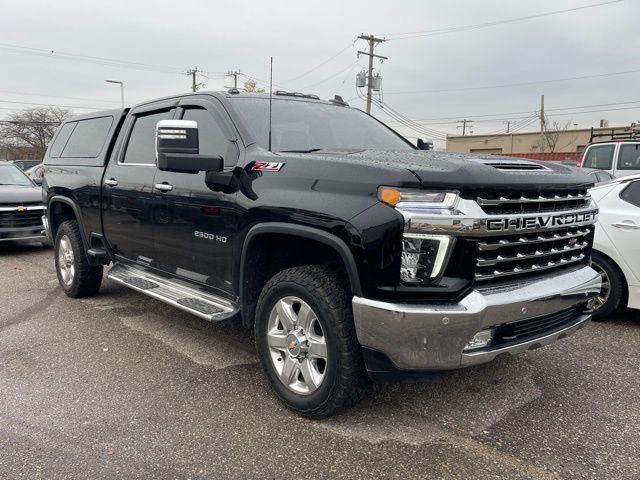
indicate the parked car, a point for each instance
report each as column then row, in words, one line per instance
column 347, row 249
column 598, row 176
column 25, row 164
column 619, row 155
column 616, row 249
column 21, row 206
column 36, row 173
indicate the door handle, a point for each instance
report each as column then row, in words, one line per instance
column 164, row 187
column 112, row 182
column 624, row 225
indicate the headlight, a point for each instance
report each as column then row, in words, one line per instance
column 423, row 256
column 419, row 200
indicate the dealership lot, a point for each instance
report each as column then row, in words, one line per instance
column 122, row 386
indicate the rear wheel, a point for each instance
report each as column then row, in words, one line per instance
column 76, row 277
column 612, row 291
column 306, row 341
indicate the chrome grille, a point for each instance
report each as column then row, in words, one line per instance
column 15, row 219
column 519, row 254
column 523, row 201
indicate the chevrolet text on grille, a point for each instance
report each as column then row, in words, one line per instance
column 540, row 221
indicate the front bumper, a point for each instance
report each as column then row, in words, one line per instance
column 433, row 336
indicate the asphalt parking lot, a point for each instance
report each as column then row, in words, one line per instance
column 122, row 386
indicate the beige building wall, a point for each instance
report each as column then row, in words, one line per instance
column 568, row 141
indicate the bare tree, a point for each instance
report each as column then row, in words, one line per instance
column 32, row 128
column 549, row 139
column 252, row 87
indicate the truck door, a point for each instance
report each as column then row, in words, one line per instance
column 628, row 159
column 128, row 196
column 195, row 232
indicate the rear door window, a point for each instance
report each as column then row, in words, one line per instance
column 141, row 148
column 631, row 194
column 629, row 158
column 61, row 139
column 600, row 157
column 88, row 138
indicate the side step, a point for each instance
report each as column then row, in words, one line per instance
column 204, row 305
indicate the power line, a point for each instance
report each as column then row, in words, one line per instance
column 348, row 67
column 56, row 96
column 462, row 28
column 518, row 84
column 113, row 62
column 628, row 102
column 319, row 65
column 49, row 105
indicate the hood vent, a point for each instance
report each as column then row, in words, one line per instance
column 510, row 164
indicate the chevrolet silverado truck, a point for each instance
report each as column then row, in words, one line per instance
column 352, row 254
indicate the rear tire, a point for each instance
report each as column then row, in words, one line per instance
column 613, row 286
column 306, row 341
column 76, row 277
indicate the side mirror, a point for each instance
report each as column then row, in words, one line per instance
column 37, row 180
column 424, row 144
column 177, row 148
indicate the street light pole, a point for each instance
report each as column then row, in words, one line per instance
column 121, row 90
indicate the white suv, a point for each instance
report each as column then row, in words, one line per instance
column 616, row 249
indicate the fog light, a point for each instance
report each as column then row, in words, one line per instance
column 480, row 340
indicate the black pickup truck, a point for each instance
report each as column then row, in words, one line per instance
column 348, row 250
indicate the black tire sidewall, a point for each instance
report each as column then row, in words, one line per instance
column 299, row 402
column 616, row 286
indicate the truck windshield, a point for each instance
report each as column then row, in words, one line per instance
column 11, row 175
column 303, row 126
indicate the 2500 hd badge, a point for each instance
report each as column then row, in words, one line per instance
column 540, row 221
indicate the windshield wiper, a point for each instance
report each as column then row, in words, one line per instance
column 310, row 150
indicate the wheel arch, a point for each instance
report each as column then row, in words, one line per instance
column 60, row 209
column 625, row 292
column 249, row 285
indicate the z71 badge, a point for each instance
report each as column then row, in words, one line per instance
column 268, row 166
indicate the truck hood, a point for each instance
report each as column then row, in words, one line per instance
column 464, row 171
column 16, row 194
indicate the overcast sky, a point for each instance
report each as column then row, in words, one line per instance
column 426, row 78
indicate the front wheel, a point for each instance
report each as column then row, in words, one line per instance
column 612, row 290
column 307, row 343
column 76, row 277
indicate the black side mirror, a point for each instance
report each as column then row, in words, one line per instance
column 177, row 148
column 424, row 144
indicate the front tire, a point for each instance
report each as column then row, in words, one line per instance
column 306, row 341
column 610, row 298
column 76, row 277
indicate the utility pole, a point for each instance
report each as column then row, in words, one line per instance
column 233, row 74
column 464, row 123
column 194, row 85
column 508, row 126
column 542, row 125
column 373, row 41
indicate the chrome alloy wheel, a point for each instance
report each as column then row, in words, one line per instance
column 66, row 263
column 605, row 290
column 297, row 345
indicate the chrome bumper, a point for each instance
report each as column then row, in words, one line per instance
column 47, row 229
column 433, row 336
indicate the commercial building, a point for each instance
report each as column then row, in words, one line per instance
column 558, row 145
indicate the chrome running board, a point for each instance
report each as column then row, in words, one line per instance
column 189, row 299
